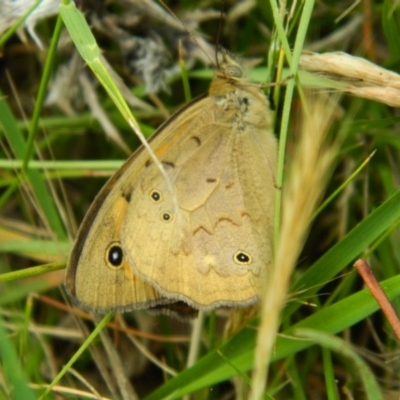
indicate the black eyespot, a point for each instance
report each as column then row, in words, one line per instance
column 242, row 258
column 114, row 256
column 155, row 196
column 166, row 216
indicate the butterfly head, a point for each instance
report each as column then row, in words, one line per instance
column 228, row 68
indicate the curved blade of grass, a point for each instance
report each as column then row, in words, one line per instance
column 240, row 349
column 372, row 391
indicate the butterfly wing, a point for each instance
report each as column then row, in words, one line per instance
column 99, row 277
column 204, row 236
column 213, row 249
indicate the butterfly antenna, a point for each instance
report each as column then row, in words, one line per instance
column 218, row 45
column 188, row 31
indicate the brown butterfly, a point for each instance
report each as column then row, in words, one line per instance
column 207, row 242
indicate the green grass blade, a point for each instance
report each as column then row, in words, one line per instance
column 10, row 32
column 101, row 325
column 240, row 349
column 87, row 46
column 32, row 271
column 39, row 188
column 350, row 247
column 338, row 345
column 333, row 319
column 12, row 368
column 48, row 70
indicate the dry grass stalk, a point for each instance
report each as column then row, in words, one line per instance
column 309, row 173
column 356, row 75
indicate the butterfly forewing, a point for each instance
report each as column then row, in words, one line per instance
column 203, row 237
